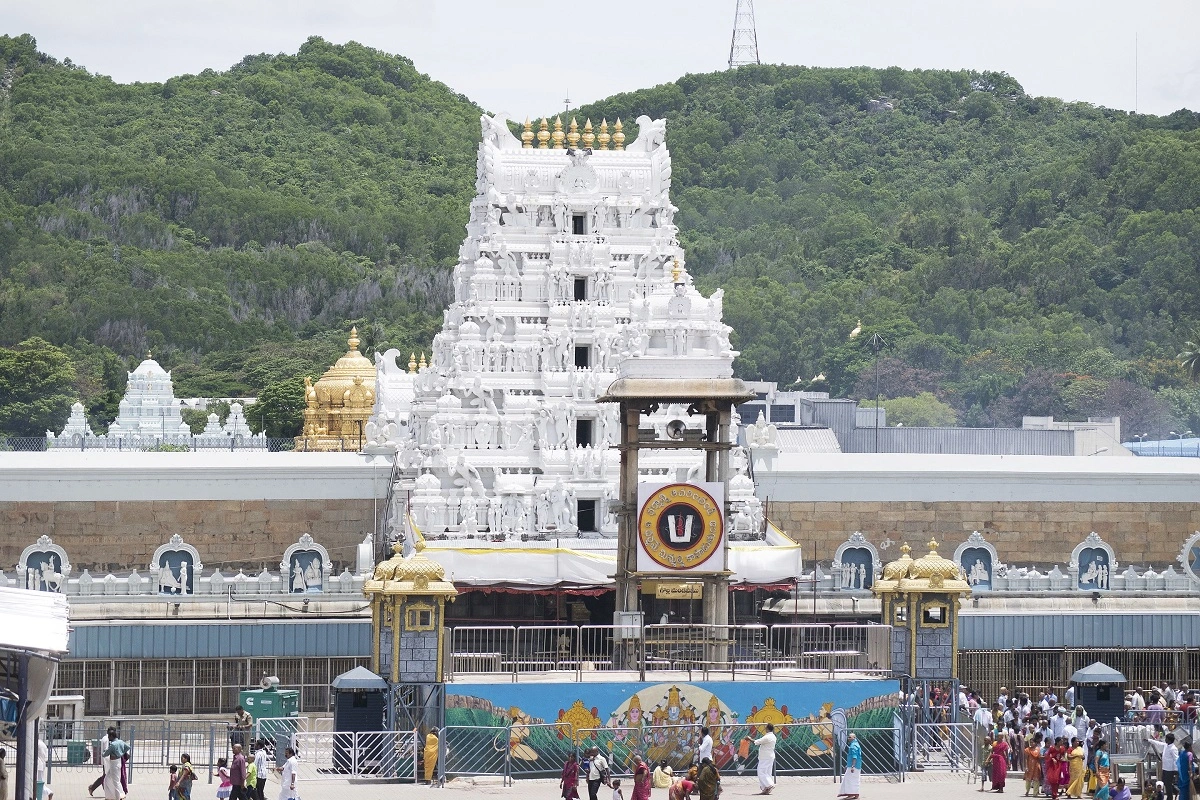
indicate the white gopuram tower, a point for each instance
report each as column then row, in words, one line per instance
column 570, row 243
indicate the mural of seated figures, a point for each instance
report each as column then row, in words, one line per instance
column 43, row 566
column 1093, row 562
column 977, row 558
column 176, row 567
column 305, row 567
column 854, row 563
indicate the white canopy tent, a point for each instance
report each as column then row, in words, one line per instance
column 33, row 636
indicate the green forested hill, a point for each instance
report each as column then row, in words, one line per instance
column 1018, row 254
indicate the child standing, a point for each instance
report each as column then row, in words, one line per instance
column 226, row 787
column 616, row 787
column 173, row 784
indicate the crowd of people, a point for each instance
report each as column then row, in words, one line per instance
column 702, row 779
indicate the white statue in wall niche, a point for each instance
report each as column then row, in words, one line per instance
column 469, row 509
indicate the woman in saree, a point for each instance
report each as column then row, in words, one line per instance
column 1052, row 766
column 1075, row 758
column 1033, row 765
column 1103, row 771
column 569, row 780
column 1000, row 752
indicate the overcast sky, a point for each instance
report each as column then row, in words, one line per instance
column 525, row 57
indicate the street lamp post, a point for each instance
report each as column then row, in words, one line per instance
column 877, row 342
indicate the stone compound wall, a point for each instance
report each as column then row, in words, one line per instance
column 1024, row 532
column 111, row 511
column 112, row 536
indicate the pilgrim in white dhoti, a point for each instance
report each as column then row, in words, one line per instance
column 114, row 753
column 852, row 780
column 766, row 760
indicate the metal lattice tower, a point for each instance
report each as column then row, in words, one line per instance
column 743, row 49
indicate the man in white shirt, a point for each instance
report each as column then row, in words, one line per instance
column 260, row 770
column 596, row 772
column 1139, row 702
column 287, row 778
column 706, row 746
column 1170, row 767
column 1058, row 723
column 1070, row 732
column 1002, row 698
column 1069, row 696
column 983, row 720
column 766, row 760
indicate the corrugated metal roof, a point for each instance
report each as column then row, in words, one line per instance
column 807, row 440
column 978, row 441
column 227, row 639
column 1017, row 631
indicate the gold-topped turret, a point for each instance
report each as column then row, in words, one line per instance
column 543, row 134
column 558, row 136
column 676, row 272
column 618, row 135
column 527, row 135
column 338, row 405
column 589, row 138
column 412, row 362
column 573, row 135
column 603, row 137
column 423, row 364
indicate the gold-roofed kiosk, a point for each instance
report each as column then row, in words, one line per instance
column 337, row 407
column 919, row 598
column 408, row 598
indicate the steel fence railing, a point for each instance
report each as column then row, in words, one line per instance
column 270, row 728
column 539, row 750
column 797, row 651
column 469, row 750
column 367, row 755
column 949, row 746
column 883, row 750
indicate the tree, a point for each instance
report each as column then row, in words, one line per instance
column 923, row 411
column 896, row 379
column 279, row 409
column 37, row 388
column 1189, row 359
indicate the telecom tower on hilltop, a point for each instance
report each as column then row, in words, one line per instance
column 743, row 48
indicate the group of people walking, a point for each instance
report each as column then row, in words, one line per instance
column 702, row 778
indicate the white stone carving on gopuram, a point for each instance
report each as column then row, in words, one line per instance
column 571, row 271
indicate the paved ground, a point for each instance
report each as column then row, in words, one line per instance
column 72, row 785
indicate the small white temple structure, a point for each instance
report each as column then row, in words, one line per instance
column 570, row 268
column 149, row 408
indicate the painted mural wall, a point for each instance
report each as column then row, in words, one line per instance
column 535, row 726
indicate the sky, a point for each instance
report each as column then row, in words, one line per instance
column 526, row 58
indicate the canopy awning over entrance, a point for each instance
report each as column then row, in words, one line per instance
column 562, row 568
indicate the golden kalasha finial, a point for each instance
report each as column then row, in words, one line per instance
column 353, row 340
column 412, row 362
column 618, row 136
column 527, row 135
column 573, row 135
column 603, row 137
column 149, row 356
column 676, row 271
column 558, row 135
column 589, row 138
column 422, row 365
column 543, row 134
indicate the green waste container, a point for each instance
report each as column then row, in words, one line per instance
column 270, row 703
column 76, row 752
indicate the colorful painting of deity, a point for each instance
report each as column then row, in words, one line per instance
column 661, row 722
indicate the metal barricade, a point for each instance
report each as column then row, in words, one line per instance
column 949, row 746
column 883, row 750
column 380, row 755
column 320, row 756
column 545, row 648
column 539, row 751
column 269, row 728
column 595, row 651
column 801, row 650
column 864, row 649
column 467, row 750
column 750, row 650
column 675, row 744
column 676, row 648
column 482, row 649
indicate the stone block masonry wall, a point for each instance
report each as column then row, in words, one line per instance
column 113, row 536
column 1024, row 533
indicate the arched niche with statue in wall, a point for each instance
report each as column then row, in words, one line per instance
column 305, row 567
column 1093, row 563
column 855, row 563
column 43, row 566
column 977, row 559
column 175, row 567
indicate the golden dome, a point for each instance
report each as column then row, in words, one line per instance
column 898, row 569
column 338, row 405
column 931, row 565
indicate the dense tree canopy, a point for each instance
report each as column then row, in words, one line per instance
column 1018, row 254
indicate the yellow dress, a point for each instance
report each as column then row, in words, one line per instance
column 431, row 756
column 1075, row 764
